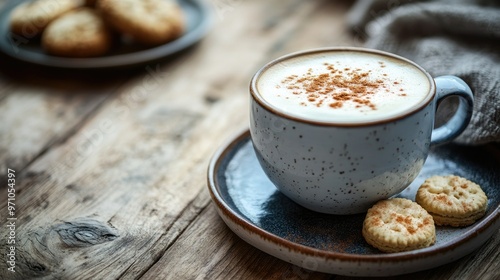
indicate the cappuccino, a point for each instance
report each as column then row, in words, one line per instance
column 343, row 87
column 338, row 129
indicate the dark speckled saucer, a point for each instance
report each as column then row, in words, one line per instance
column 257, row 212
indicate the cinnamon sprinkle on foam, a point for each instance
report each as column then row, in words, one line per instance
column 339, row 86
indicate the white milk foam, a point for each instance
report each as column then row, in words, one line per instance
column 343, row 87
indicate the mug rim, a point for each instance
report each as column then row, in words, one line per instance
column 266, row 105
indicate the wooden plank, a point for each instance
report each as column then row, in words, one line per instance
column 221, row 254
column 218, row 253
column 122, row 182
column 481, row 264
column 324, row 27
column 5, row 86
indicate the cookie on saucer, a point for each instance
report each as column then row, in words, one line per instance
column 30, row 19
column 452, row 200
column 150, row 22
column 397, row 225
column 79, row 33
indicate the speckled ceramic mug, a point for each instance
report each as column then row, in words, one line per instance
column 338, row 129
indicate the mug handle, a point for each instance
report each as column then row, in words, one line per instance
column 453, row 86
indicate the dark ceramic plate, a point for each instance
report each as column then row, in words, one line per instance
column 124, row 54
column 253, row 208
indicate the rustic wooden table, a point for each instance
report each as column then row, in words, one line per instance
column 111, row 166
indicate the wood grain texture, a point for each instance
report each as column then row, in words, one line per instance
column 220, row 254
column 36, row 118
column 111, row 180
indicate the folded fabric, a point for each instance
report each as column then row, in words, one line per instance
column 460, row 38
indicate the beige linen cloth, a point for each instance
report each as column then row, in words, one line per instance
column 460, row 38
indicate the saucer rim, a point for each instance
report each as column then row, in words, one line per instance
column 470, row 235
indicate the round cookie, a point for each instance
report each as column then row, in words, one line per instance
column 29, row 19
column 398, row 224
column 79, row 33
column 452, row 200
column 150, row 22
